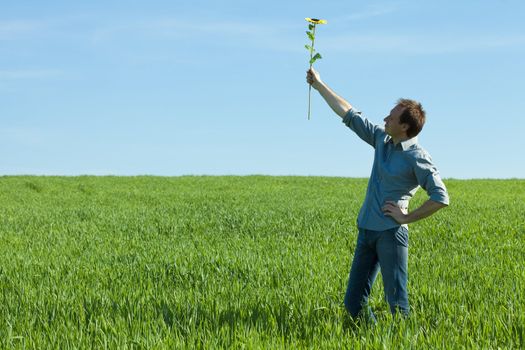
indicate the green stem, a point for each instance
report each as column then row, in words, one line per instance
column 310, row 87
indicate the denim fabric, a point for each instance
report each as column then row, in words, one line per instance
column 386, row 250
column 398, row 171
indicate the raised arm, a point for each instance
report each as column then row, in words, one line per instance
column 366, row 130
column 339, row 105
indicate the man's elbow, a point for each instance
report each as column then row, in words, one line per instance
column 343, row 111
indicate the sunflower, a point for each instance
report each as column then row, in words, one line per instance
column 313, row 22
column 316, row 21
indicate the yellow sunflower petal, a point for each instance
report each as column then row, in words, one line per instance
column 316, row 21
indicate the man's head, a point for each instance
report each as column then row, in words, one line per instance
column 406, row 119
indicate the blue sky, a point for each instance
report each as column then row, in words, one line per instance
column 218, row 87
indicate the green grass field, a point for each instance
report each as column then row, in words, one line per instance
column 247, row 262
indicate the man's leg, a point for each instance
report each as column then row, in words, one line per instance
column 364, row 270
column 392, row 250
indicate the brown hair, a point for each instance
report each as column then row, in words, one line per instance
column 413, row 115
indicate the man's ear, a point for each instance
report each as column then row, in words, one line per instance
column 405, row 127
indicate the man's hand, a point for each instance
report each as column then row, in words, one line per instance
column 428, row 208
column 392, row 210
column 313, row 78
column 338, row 104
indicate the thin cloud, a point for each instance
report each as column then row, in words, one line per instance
column 187, row 28
column 418, row 44
column 30, row 74
column 174, row 26
column 370, row 12
column 263, row 35
column 14, row 29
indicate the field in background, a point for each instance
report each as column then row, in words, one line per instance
column 155, row 262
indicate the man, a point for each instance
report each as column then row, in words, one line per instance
column 400, row 167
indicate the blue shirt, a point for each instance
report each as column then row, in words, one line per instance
column 398, row 171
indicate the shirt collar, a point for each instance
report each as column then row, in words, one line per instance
column 404, row 144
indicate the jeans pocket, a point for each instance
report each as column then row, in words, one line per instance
column 401, row 236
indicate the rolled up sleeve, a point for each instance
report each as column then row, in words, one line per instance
column 365, row 129
column 429, row 179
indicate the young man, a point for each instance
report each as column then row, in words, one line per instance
column 400, row 167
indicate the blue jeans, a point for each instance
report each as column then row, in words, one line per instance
column 388, row 250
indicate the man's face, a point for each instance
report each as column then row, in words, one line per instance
column 392, row 125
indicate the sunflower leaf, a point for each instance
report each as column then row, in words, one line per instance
column 311, row 36
column 315, row 58
column 311, row 26
column 309, row 48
